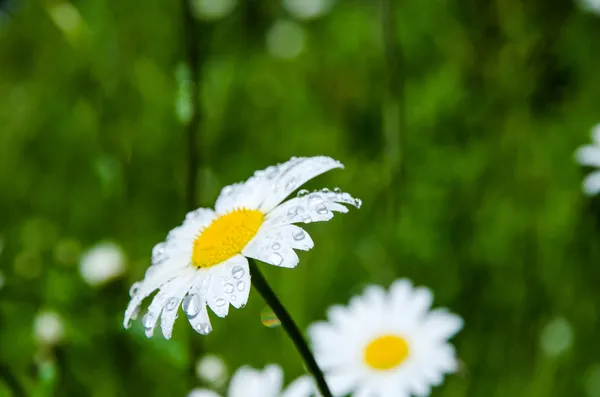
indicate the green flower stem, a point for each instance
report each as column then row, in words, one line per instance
column 262, row 286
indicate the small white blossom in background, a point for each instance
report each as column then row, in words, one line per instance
column 589, row 155
column 286, row 39
column 212, row 9
column 307, row 9
column 212, row 370
column 249, row 382
column 48, row 328
column 386, row 343
column 102, row 263
column 556, row 337
column 592, row 6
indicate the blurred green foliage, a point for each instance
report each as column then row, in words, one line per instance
column 484, row 206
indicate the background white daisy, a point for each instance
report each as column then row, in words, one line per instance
column 249, row 382
column 386, row 344
column 589, row 155
column 203, row 261
column 102, row 263
column 48, row 328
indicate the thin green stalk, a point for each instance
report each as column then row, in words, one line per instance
column 262, row 286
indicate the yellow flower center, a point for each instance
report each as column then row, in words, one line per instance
column 226, row 236
column 386, row 352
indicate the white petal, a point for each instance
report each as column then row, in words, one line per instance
column 200, row 217
column 216, row 298
column 177, row 286
column 249, row 194
column 171, row 309
column 341, row 383
column 588, row 155
column 441, row 324
column 202, row 393
column 591, row 184
column 313, row 207
column 304, row 386
column 270, row 246
column 289, row 176
column 238, row 272
column 151, row 282
column 248, row 382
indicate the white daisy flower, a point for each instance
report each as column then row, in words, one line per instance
column 203, row 261
column 102, row 263
column 589, row 155
column 249, row 382
column 386, row 344
column 212, row 370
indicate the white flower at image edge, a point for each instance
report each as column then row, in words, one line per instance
column 249, row 382
column 589, row 155
column 386, row 344
column 102, row 263
column 203, row 262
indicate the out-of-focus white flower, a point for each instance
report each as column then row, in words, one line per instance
column 285, row 39
column 307, row 9
column 556, row 337
column 204, row 261
column 212, row 9
column 386, row 343
column 48, row 328
column 249, row 382
column 102, row 263
column 212, row 370
column 592, row 6
column 589, row 155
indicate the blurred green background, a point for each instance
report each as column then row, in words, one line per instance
column 456, row 120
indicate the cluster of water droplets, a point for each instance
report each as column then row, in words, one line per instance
column 317, row 200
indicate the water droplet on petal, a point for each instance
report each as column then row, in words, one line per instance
column 220, row 302
column 276, row 259
column 171, row 304
column 241, row 285
column 290, row 184
column 358, row 202
column 191, row 305
column 302, row 192
column 232, row 297
column 276, row 246
column 293, row 211
column 148, row 320
column 228, row 288
column 135, row 287
column 298, row 234
column 337, row 190
column 203, row 328
column 325, row 190
column 321, row 209
column 158, row 253
column 237, row 272
column 315, row 199
column 271, row 172
column 307, row 219
column 227, row 190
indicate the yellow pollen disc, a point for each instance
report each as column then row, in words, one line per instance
column 226, row 236
column 386, row 352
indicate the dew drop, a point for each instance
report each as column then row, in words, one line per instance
column 315, row 199
column 220, row 302
column 241, row 285
column 337, row 190
column 268, row 318
column 293, row 211
column 203, row 328
column 191, row 305
column 148, row 320
column 302, row 193
column 135, row 287
column 307, row 219
column 358, row 202
column 271, row 172
column 298, row 234
column 321, row 209
column 276, row 246
column 227, row 190
column 276, row 259
column 237, row 272
column 325, row 190
column 290, row 184
column 171, row 304
column 228, row 288
column 158, row 253
column 232, row 297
